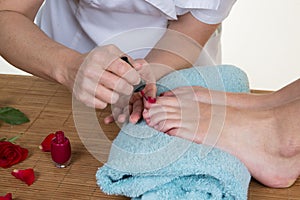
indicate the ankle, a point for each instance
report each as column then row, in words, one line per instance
column 287, row 129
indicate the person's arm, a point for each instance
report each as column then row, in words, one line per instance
column 25, row 46
column 181, row 44
column 100, row 80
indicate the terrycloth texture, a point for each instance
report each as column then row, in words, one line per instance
column 147, row 164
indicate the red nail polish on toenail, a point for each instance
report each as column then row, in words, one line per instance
column 151, row 100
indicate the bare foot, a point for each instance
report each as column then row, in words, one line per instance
column 266, row 141
column 237, row 100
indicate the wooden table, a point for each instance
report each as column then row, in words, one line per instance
column 49, row 107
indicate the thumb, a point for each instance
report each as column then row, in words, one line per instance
column 149, row 94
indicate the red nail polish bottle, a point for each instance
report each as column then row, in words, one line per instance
column 61, row 150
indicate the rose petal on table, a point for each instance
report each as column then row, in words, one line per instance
column 26, row 175
column 46, row 144
column 8, row 196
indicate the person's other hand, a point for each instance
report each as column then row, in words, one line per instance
column 131, row 107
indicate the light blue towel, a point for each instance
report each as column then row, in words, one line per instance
column 147, row 164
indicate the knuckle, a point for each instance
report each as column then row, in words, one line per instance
column 88, row 72
column 112, row 48
column 120, row 69
column 94, row 56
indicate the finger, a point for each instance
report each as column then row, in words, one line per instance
column 106, row 95
column 146, row 71
column 149, row 93
column 115, row 83
column 124, row 115
column 89, row 90
column 116, row 111
column 146, row 114
column 122, row 118
column 107, row 58
column 96, row 103
column 109, row 119
column 90, row 100
column 150, row 90
column 125, row 71
column 138, row 63
column 135, row 97
column 137, row 109
column 84, row 91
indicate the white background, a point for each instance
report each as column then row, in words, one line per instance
column 263, row 38
column 259, row 36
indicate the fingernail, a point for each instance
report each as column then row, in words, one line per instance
column 147, row 121
column 121, row 118
column 131, row 119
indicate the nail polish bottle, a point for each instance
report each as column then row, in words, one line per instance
column 61, row 150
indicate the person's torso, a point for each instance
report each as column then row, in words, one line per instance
column 84, row 24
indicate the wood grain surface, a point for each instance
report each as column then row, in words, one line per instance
column 49, row 107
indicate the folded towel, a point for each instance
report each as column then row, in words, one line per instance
column 147, row 164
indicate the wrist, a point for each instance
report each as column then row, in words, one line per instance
column 65, row 71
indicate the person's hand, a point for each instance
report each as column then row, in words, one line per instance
column 139, row 102
column 104, row 76
column 147, row 96
column 131, row 107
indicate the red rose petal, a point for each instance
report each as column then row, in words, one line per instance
column 8, row 196
column 26, row 175
column 46, row 144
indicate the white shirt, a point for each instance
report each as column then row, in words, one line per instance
column 89, row 23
